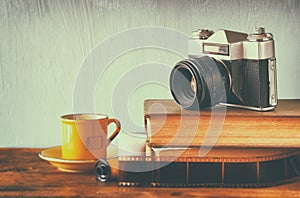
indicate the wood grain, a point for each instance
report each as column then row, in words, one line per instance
column 168, row 124
column 22, row 173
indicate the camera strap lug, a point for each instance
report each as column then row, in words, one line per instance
column 272, row 82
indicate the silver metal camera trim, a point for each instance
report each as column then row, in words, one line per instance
column 248, row 107
column 239, row 48
column 272, row 82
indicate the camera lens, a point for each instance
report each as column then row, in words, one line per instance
column 200, row 83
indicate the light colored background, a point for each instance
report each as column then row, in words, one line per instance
column 43, row 44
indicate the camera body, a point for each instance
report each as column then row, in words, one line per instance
column 229, row 68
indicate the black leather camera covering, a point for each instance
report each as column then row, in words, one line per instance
column 250, row 82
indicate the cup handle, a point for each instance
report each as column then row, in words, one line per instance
column 118, row 128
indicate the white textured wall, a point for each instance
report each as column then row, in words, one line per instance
column 43, row 44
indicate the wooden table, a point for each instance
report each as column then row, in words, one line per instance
column 23, row 173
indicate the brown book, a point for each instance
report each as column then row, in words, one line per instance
column 167, row 124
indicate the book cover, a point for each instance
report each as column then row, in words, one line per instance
column 168, row 125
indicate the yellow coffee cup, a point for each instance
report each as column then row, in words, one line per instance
column 84, row 136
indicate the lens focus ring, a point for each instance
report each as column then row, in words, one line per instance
column 199, row 83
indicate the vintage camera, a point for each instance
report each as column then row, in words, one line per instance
column 228, row 68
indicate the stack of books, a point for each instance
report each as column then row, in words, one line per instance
column 217, row 147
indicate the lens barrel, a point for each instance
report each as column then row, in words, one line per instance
column 200, row 83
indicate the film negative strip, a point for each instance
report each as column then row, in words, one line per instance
column 231, row 167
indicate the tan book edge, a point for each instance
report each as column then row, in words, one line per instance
column 169, row 125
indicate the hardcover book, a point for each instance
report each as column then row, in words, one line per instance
column 168, row 125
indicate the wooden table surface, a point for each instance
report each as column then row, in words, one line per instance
column 23, row 173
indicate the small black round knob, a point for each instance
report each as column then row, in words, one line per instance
column 102, row 170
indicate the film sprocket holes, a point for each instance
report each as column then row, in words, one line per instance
column 223, row 167
column 228, row 68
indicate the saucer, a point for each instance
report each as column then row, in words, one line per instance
column 53, row 156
